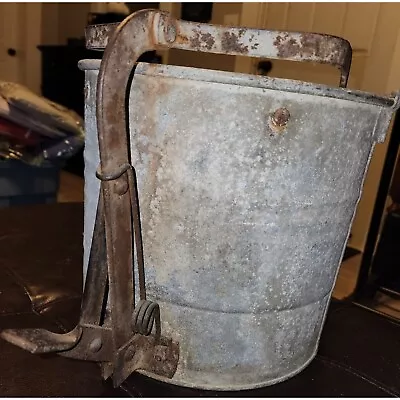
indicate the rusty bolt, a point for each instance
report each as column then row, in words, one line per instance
column 170, row 32
column 121, row 185
column 160, row 353
column 130, row 352
column 95, row 345
column 279, row 119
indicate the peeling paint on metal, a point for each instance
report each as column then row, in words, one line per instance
column 230, row 43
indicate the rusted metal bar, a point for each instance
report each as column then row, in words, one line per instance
column 118, row 60
column 292, row 46
column 40, row 341
column 137, row 232
column 96, row 279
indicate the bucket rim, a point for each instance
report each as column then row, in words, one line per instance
column 255, row 81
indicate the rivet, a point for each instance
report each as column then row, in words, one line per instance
column 170, row 33
column 130, row 353
column 281, row 116
column 278, row 120
column 121, row 185
column 160, row 353
column 95, row 345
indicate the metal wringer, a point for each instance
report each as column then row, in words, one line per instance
column 247, row 188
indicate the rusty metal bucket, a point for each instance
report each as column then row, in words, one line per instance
column 239, row 192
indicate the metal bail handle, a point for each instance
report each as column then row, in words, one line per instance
column 283, row 45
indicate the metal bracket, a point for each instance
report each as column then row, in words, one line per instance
column 39, row 341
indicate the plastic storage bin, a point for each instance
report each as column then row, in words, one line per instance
column 24, row 184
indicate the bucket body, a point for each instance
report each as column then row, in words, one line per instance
column 244, row 222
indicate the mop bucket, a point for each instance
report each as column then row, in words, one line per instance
column 239, row 192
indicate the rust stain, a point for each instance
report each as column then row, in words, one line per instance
column 287, row 46
column 112, row 116
column 162, row 89
column 201, row 40
column 230, row 43
column 281, row 116
column 181, row 39
column 170, row 31
column 97, row 36
column 156, row 93
column 278, row 120
column 195, row 41
column 310, row 46
column 208, row 40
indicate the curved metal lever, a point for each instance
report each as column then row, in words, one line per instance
column 39, row 341
column 111, row 342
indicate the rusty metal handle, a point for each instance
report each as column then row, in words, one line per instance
column 292, row 46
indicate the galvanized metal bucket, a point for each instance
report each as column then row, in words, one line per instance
column 239, row 190
column 247, row 190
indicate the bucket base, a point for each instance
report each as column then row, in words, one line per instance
column 236, row 377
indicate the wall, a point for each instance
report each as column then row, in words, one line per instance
column 63, row 20
column 381, row 76
column 72, row 20
column 11, row 36
column 20, row 30
column 32, row 39
column 50, row 28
